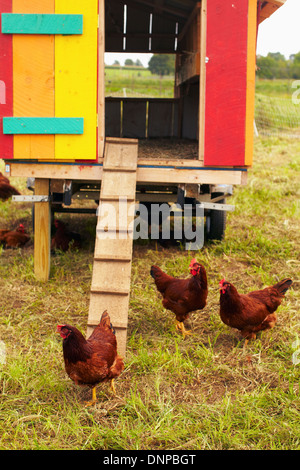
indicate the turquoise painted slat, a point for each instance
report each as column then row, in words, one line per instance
column 19, row 23
column 46, row 125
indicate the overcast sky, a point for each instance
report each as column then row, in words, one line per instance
column 279, row 33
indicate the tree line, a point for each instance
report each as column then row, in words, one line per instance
column 272, row 66
column 159, row 64
column 275, row 65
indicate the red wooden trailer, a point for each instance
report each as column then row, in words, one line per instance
column 58, row 128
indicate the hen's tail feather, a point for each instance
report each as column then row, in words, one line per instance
column 283, row 286
column 105, row 321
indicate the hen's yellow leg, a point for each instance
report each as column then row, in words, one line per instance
column 94, row 398
column 112, row 386
column 180, row 326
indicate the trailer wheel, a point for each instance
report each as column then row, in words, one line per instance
column 216, row 221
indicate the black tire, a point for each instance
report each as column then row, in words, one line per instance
column 216, row 223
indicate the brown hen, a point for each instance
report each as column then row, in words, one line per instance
column 14, row 238
column 182, row 296
column 93, row 360
column 252, row 312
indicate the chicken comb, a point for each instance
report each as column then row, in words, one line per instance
column 193, row 261
column 221, row 282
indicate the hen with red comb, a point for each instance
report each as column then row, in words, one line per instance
column 182, row 296
column 252, row 312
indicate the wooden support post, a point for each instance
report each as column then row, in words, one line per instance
column 42, row 231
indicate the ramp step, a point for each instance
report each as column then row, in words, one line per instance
column 115, row 325
column 107, row 257
column 95, row 290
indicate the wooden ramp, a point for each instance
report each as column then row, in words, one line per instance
column 110, row 288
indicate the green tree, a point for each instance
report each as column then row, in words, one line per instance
column 138, row 63
column 274, row 65
column 162, row 64
column 295, row 66
column 128, row 62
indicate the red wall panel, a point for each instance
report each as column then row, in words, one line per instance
column 6, row 86
column 226, row 82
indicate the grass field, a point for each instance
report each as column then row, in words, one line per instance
column 127, row 81
column 203, row 392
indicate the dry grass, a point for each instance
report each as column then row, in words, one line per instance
column 203, row 392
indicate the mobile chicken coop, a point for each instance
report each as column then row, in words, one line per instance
column 57, row 127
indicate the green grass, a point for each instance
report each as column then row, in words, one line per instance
column 275, row 88
column 127, row 81
column 203, row 392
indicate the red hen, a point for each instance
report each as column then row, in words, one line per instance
column 93, row 360
column 6, row 189
column 14, row 238
column 63, row 238
column 182, row 296
column 252, row 312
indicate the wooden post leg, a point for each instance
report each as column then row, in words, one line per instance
column 42, row 231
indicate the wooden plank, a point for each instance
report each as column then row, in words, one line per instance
column 42, row 125
column 121, row 183
column 76, row 59
column 114, row 43
column 111, row 247
column 115, row 214
column 119, row 153
column 101, row 81
column 58, row 171
column 108, row 302
column 42, row 231
column 6, row 84
column 33, row 82
column 226, row 83
column 190, row 124
column 172, row 175
column 149, row 172
column 113, row 118
column 250, row 96
column 134, row 119
column 137, row 27
column 161, row 119
column 17, row 23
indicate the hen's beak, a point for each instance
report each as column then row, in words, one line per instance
column 221, row 286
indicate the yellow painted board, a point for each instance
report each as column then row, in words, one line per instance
column 76, row 80
column 250, row 97
column 33, row 82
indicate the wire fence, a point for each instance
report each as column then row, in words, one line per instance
column 277, row 116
